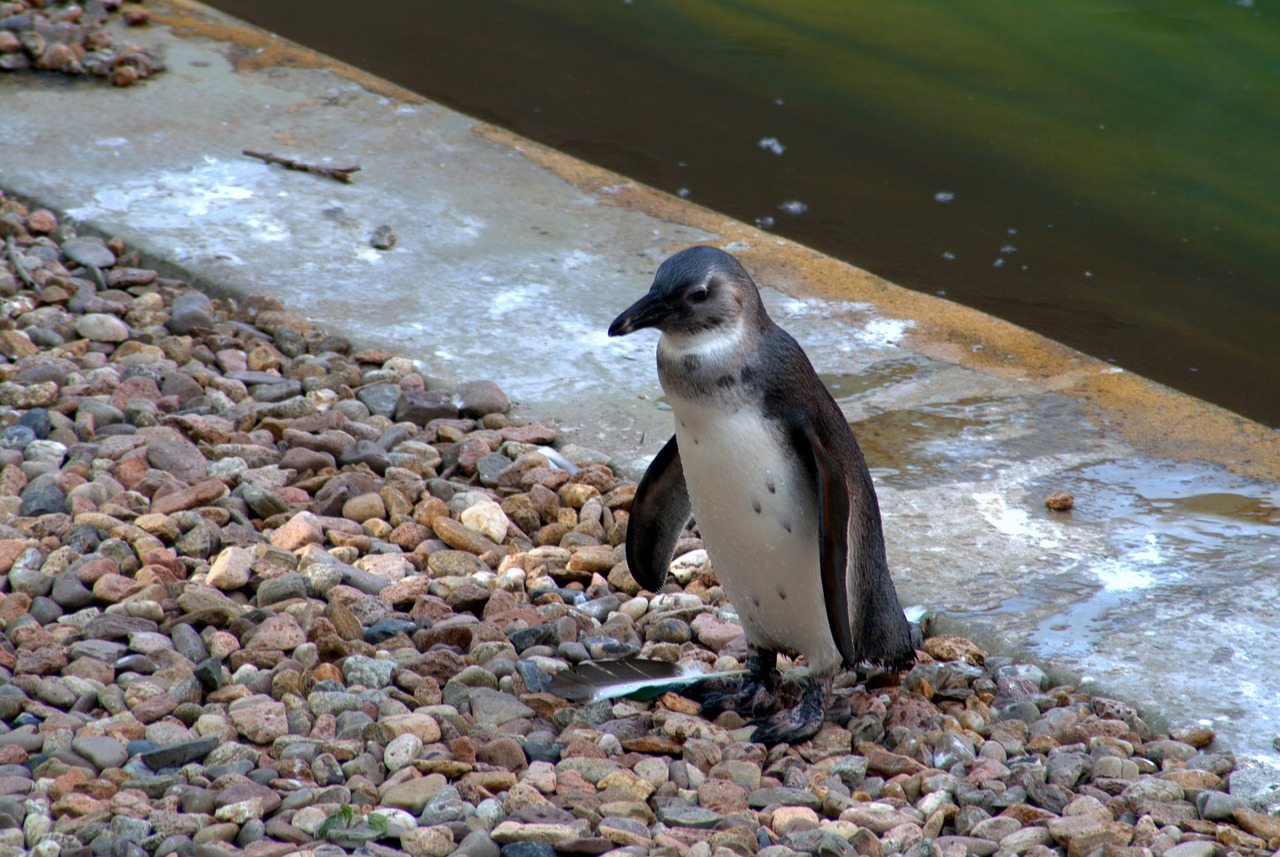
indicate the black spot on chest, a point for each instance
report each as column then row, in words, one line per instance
column 726, row 381
column 690, row 362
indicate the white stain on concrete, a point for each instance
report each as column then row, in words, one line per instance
column 211, row 191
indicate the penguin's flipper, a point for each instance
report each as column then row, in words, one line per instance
column 833, row 535
column 659, row 512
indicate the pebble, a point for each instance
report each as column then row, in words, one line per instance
column 275, row 577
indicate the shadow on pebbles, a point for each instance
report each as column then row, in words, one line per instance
column 262, row 593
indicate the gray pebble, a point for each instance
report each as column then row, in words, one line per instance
column 190, row 310
column 681, row 813
column 422, row 406
column 1218, row 806
column 477, row 398
column 181, row 753
column 32, row 581
column 16, row 437
column 528, row 849
column 87, row 252
column 380, row 398
column 41, row 500
column 282, row 588
column 366, row 452
column 385, row 629
column 369, row 672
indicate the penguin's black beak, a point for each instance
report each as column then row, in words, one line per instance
column 650, row 311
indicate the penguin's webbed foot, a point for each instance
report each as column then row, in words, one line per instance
column 752, row 695
column 795, row 724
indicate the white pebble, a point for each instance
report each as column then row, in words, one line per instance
column 486, row 518
column 686, row 566
column 401, row 751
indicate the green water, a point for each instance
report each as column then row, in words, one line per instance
column 1104, row 173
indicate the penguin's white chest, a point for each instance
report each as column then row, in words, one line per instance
column 758, row 516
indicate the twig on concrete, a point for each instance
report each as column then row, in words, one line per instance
column 342, row 174
column 17, row 268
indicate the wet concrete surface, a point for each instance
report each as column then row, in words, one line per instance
column 1158, row 587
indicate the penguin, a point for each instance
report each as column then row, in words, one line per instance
column 764, row 461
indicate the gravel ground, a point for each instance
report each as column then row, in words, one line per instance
column 72, row 38
column 264, row 594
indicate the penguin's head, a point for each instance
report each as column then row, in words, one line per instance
column 698, row 290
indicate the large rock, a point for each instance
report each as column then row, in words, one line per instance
column 260, row 719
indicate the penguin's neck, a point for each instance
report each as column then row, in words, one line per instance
column 705, row 368
column 718, row 346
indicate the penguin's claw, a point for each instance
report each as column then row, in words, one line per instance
column 752, row 695
column 795, row 724
column 749, row 696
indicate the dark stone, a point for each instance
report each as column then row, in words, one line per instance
column 380, row 398
column 154, row 787
column 607, row 648
column 263, row 502
column 489, row 466
column 102, row 844
column 37, row 419
column 200, row 800
column 366, row 581
column 183, row 386
column 542, row 751
column 1047, row 795
column 366, row 452
column 88, row 252
column 290, row 342
column 83, row 539
column 669, row 630
column 188, row 642
column 41, row 500
column 535, row 679
column 25, row 576
column 190, row 310
column 251, row 832
column 534, row 635
column 281, row 588
column 136, row 663
column 394, row 436
column 44, row 610
column 16, row 437
column 422, row 406
column 334, row 342
column 209, row 672
column 477, row 844
column 352, row 838
column 819, row 842
column 477, row 398
column 262, row 776
column 527, row 849
column 239, row 768
column 276, row 392
column 600, row 608
column 675, row 812
column 175, row 844
column 115, row 626
column 383, row 237
column 341, row 488
column 385, row 629
column 176, row 755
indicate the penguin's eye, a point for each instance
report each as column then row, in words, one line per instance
column 699, row 294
